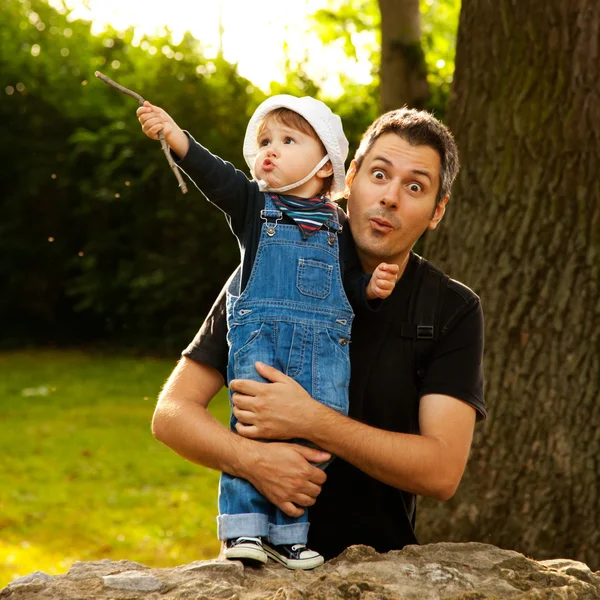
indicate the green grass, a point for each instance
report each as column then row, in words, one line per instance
column 82, row 478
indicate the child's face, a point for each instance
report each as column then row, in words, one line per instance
column 287, row 155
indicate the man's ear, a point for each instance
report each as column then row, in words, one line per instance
column 438, row 213
column 350, row 178
column 325, row 171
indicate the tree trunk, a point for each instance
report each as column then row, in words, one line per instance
column 523, row 230
column 403, row 71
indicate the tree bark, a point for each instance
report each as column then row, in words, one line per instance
column 524, row 231
column 403, row 71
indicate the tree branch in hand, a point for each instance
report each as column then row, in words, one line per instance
column 161, row 137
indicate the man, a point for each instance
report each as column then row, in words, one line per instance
column 405, row 436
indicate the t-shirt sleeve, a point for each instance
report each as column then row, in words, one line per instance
column 220, row 182
column 209, row 346
column 456, row 365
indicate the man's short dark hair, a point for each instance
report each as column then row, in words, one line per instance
column 418, row 128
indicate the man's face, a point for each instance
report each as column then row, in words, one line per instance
column 392, row 199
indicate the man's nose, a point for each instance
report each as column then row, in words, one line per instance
column 391, row 197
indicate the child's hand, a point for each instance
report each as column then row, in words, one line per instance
column 154, row 119
column 382, row 281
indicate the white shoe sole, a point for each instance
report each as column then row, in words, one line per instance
column 296, row 565
column 251, row 555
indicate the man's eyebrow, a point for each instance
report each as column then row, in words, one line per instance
column 387, row 161
column 424, row 173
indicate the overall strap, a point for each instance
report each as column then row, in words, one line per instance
column 424, row 309
column 270, row 215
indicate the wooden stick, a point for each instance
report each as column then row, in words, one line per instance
column 161, row 137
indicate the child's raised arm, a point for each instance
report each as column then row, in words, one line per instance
column 154, row 119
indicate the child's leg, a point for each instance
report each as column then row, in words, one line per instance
column 243, row 520
column 288, row 530
column 287, row 542
column 242, row 510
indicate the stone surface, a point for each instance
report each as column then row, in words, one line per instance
column 36, row 575
column 100, row 568
column 133, row 581
column 431, row 572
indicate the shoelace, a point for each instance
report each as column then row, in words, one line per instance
column 253, row 540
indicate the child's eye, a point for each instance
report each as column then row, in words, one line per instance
column 379, row 174
column 264, row 142
column 289, row 140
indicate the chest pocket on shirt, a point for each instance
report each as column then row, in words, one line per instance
column 314, row 278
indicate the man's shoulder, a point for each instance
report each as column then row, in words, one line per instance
column 454, row 288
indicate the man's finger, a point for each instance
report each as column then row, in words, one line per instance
column 242, row 401
column 246, row 387
column 245, row 416
column 248, row 431
column 270, row 373
column 291, row 510
column 310, row 489
column 304, row 500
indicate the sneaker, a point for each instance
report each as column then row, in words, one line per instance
column 247, row 549
column 294, row 556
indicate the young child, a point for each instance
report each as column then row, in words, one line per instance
column 287, row 307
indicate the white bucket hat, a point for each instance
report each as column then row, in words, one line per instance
column 326, row 124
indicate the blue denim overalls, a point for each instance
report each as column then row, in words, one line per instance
column 292, row 315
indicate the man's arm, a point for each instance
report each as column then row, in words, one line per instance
column 280, row 472
column 429, row 464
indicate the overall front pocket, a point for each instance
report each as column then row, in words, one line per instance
column 252, row 342
column 314, row 278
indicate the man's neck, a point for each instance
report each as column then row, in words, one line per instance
column 369, row 263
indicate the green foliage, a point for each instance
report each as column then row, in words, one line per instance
column 345, row 20
column 82, row 476
column 94, row 229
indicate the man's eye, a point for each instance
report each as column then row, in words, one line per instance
column 379, row 174
column 415, row 188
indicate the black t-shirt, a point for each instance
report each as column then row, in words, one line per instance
column 354, row 508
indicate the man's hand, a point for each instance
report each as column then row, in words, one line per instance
column 154, row 119
column 274, row 411
column 283, row 474
column 382, row 281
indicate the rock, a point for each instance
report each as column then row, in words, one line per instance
column 572, row 567
column 134, row 582
column 432, row 572
column 36, row 575
column 100, row 568
column 223, row 569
